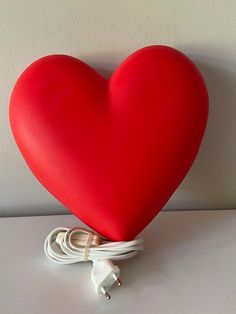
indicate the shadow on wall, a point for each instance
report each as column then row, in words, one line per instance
column 211, row 181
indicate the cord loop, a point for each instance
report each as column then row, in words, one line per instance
column 66, row 246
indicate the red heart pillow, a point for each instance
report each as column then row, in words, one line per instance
column 112, row 151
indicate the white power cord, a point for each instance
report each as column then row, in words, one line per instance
column 67, row 246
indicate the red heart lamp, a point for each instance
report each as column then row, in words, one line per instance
column 113, row 150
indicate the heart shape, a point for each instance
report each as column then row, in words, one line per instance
column 112, row 151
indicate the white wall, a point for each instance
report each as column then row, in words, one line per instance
column 102, row 33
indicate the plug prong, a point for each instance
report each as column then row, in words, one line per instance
column 107, row 295
column 117, row 279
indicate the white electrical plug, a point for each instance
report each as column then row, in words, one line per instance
column 73, row 245
column 104, row 275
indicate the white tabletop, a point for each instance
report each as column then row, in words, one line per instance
column 188, row 266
